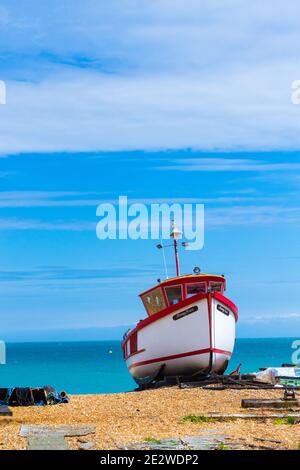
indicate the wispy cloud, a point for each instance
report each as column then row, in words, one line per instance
column 42, row 194
column 58, row 225
column 61, row 273
column 4, row 174
column 17, row 199
column 253, row 319
column 228, row 164
column 251, row 215
column 30, row 199
column 215, row 217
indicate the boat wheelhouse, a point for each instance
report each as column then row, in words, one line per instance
column 189, row 328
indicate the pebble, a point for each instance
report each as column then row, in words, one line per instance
column 86, row 446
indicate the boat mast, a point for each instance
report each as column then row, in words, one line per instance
column 176, row 235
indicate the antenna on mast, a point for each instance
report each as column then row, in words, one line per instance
column 176, row 234
column 165, row 262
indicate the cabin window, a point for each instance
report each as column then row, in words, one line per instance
column 197, row 288
column 216, row 286
column 174, row 294
column 154, row 301
column 133, row 343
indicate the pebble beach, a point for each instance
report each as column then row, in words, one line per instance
column 123, row 419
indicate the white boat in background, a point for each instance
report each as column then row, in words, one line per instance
column 189, row 329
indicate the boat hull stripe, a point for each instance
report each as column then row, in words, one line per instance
column 178, row 356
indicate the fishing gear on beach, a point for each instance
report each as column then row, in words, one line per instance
column 26, row 396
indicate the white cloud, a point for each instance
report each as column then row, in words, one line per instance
column 140, row 74
column 96, row 112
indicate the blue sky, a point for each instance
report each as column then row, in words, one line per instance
column 160, row 101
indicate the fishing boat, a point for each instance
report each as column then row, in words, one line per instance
column 189, row 328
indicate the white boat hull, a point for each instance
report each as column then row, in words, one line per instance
column 195, row 338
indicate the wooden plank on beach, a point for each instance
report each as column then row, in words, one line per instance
column 267, row 403
column 251, row 416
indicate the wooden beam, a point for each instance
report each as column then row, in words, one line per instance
column 251, row 416
column 275, row 403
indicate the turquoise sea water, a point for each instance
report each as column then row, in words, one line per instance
column 87, row 367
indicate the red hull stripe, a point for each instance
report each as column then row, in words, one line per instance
column 178, row 356
column 135, row 353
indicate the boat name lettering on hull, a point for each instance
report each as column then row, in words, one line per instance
column 223, row 309
column 186, row 312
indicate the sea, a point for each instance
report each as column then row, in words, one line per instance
column 98, row 367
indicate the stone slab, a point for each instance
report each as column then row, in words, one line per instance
column 47, row 442
column 75, row 430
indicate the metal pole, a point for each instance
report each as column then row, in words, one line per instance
column 176, row 258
